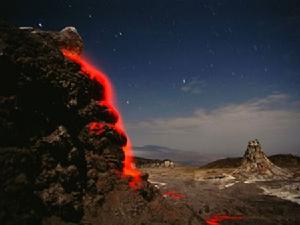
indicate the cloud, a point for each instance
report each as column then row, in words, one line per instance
column 275, row 120
column 194, row 86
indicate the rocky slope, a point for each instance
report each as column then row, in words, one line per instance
column 285, row 160
column 281, row 160
column 53, row 168
column 224, row 163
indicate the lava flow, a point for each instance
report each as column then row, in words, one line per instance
column 215, row 219
column 109, row 100
column 174, row 195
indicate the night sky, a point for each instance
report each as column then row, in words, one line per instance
column 197, row 75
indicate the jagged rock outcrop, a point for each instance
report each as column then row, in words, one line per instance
column 53, row 168
column 256, row 166
column 68, row 38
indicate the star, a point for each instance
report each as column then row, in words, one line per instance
column 127, row 102
column 90, row 16
column 40, row 25
column 119, row 34
column 183, row 81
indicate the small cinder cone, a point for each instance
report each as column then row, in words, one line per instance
column 256, row 166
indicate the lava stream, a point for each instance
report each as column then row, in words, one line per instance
column 109, row 100
column 215, row 219
column 174, row 195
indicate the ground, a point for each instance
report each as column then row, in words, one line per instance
column 209, row 193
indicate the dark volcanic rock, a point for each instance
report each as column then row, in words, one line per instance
column 68, row 38
column 285, row 160
column 19, row 204
column 53, row 167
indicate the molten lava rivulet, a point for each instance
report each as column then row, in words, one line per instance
column 215, row 219
column 174, row 195
column 109, row 101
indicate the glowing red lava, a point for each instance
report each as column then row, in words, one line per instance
column 109, row 100
column 174, row 195
column 215, row 219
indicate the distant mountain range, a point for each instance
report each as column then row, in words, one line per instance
column 176, row 155
column 281, row 160
column 156, row 152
